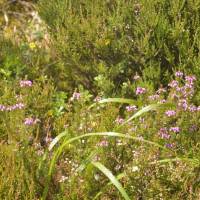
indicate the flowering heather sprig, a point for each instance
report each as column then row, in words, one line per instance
column 25, row 83
column 131, row 108
column 190, row 79
column 97, row 99
column 183, row 104
column 179, row 74
column 173, row 84
column 119, row 120
column 17, row 106
column 175, row 129
column 169, row 145
column 154, row 97
column 30, row 121
column 136, row 77
column 140, row 90
column 170, row 113
column 163, row 133
column 103, row 143
column 192, row 108
column 76, row 96
column 161, row 90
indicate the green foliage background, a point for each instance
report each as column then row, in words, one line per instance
column 102, row 44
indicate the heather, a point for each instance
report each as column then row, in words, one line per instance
column 99, row 100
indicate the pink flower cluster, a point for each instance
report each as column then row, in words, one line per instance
column 30, row 121
column 17, row 106
column 25, row 83
column 170, row 113
column 76, row 96
column 131, row 108
column 119, row 120
column 163, row 133
column 140, row 90
column 175, row 129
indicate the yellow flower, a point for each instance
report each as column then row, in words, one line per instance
column 107, row 42
column 32, row 45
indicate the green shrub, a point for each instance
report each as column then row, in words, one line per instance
column 102, row 44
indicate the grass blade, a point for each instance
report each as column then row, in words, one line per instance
column 120, row 176
column 112, row 178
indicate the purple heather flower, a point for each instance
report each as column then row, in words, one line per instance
column 76, row 96
column 154, row 97
column 170, row 113
column 173, row 84
column 119, row 120
column 140, row 90
column 198, row 108
column 163, row 133
column 25, row 83
column 161, row 90
column 192, row 108
column 2, row 108
column 136, row 77
column 169, row 145
column 131, row 108
column 175, row 129
column 97, row 99
column 103, row 143
column 30, row 121
column 179, row 74
column 190, row 79
column 183, row 103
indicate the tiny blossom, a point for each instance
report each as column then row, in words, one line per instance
column 2, row 108
column 170, row 113
column 97, row 99
column 140, row 90
column 103, row 143
column 198, row 108
column 169, row 145
column 162, row 101
column 173, row 84
column 192, row 108
column 154, row 97
column 131, row 108
column 63, row 179
column 163, row 133
column 190, row 79
column 175, row 129
column 25, row 83
column 183, row 103
column 76, row 96
column 30, row 121
column 119, row 120
column 179, row 74
column 136, row 77
column 161, row 90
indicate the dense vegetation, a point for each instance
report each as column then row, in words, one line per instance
column 100, row 99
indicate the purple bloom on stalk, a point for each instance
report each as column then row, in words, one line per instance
column 163, row 133
column 2, row 108
column 179, row 74
column 190, row 79
column 30, row 121
column 198, row 108
column 131, row 108
column 192, row 108
column 154, row 97
column 140, row 90
column 173, row 84
column 119, row 120
column 170, row 113
column 175, row 129
column 183, row 103
column 169, row 145
column 103, row 143
column 76, row 96
column 25, row 83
